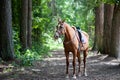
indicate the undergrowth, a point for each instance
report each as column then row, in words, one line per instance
column 38, row 52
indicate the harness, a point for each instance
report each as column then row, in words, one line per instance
column 79, row 41
column 76, row 34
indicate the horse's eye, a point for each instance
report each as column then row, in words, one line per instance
column 56, row 27
column 61, row 26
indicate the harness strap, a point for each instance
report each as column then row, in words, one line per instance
column 74, row 38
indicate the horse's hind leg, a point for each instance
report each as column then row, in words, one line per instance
column 84, row 60
column 74, row 64
column 79, row 63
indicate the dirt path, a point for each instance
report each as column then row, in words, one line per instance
column 99, row 67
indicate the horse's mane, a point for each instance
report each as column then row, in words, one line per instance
column 74, row 28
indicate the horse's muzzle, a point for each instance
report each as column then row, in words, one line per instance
column 56, row 36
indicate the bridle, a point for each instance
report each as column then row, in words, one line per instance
column 59, row 32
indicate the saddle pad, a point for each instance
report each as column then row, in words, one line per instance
column 82, row 37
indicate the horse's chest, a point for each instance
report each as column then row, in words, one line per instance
column 70, row 47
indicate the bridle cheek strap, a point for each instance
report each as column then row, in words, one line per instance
column 60, row 31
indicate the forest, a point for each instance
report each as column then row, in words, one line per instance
column 27, row 26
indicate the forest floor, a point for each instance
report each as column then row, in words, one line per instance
column 99, row 67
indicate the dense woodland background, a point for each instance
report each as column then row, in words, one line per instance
column 27, row 26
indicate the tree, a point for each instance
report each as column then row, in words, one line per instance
column 115, row 33
column 108, row 15
column 99, row 22
column 23, row 24
column 29, row 28
column 6, row 42
column 26, row 24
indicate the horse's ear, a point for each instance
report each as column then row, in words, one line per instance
column 59, row 20
column 63, row 21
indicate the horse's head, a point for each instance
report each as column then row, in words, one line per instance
column 60, row 29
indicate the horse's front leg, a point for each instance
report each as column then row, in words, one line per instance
column 74, row 65
column 67, row 63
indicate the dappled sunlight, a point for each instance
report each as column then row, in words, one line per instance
column 104, row 60
column 57, row 58
column 38, row 36
column 53, row 68
column 6, row 68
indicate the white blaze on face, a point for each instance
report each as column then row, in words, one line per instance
column 58, row 25
column 56, row 36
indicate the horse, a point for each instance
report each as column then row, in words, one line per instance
column 72, row 44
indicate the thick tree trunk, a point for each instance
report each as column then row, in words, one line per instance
column 23, row 24
column 29, row 39
column 115, row 33
column 99, row 20
column 108, row 15
column 6, row 43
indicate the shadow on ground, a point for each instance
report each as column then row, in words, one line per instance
column 99, row 67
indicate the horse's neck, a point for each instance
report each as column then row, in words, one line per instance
column 69, row 33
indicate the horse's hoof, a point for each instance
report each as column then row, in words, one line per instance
column 74, row 76
column 85, row 74
column 67, row 76
column 79, row 74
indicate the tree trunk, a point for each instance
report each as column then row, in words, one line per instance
column 29, row 39
column 115, row 33
column 108, row 15
column 53, row 7
column 24, row 23
column 6, row 42
column 99, row 20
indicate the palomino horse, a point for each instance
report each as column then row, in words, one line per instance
column 72, row 44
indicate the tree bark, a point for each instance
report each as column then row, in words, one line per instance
column 6, row 42
column 115, row 33
column 23, row 24
column 99, row 20
column 108, row 15
column 29, row 29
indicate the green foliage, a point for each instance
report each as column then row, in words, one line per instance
column 39, row 33
column 110, row 1
column 27, row 58
column 79, row 13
